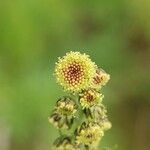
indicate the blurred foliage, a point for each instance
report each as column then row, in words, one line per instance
column 33, row 33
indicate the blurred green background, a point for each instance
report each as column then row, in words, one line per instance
column 33, row 33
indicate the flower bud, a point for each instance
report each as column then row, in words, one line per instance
column 100, row 79
column 98, row 114
column 89, row 98
column 66, row 106
column 105, row 124
column 89, row 133
column 61, row 121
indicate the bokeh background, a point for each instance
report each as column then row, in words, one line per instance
column 33, row 33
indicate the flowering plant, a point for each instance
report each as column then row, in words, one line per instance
column 80, row 117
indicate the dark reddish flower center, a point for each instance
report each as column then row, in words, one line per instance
column 73, row 73
column 88, row 96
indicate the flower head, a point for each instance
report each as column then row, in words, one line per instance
column 89, row 98
column 75, row 71
column 89, row 133
column 66, row 106
column 64, row 143
column 100, row 79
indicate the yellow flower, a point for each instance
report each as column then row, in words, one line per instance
column 89, row 98
column 75, row 71
column 100, row 79
column 89, row 133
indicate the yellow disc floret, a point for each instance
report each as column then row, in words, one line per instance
column 75, row 71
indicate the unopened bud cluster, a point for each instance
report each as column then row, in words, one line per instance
column 82, row 115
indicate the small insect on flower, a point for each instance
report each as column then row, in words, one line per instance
column 66, row 106
column 89, row 133
column 89, row 98
column 75, row 71
column 64, row 143
column 100, row 79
